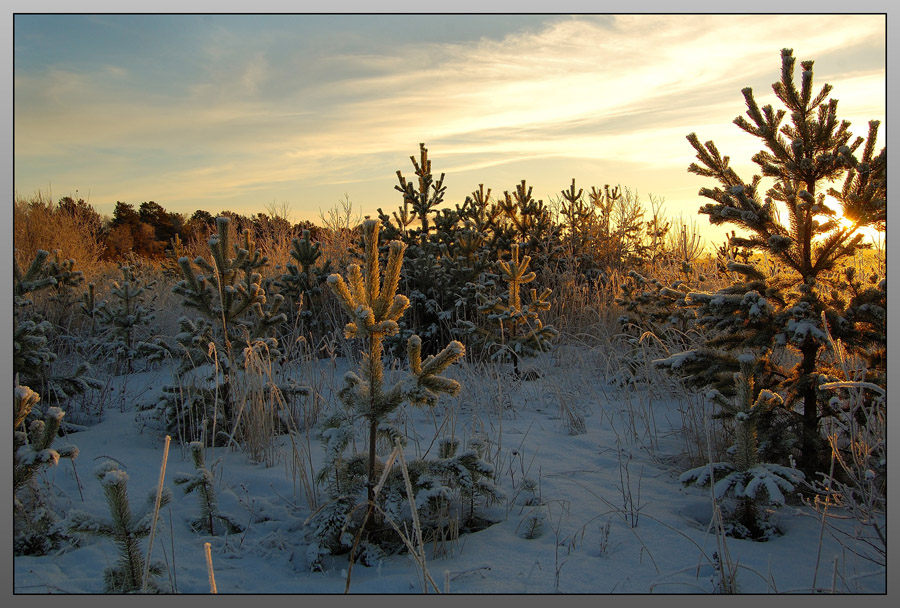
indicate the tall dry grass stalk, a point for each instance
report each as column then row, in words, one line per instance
column 156, row 505
column 209, row 568
column 265, row 413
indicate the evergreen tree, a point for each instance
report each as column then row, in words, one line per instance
column 173, row 253
column 236, row 318
column 123, row 315
column 35, row 525
column 765, row 313
column 528, row 220
column 371, row 300
column 201, row 482
column 750, row 480
column 374, row 306
column 516, row 328
column 424, row 199
column 303, row 284
column 33, row 356
column 125, row 528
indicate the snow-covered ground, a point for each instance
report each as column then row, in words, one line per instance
column 608, row 514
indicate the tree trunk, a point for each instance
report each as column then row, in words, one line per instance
column 811, row 443
column 373, row 429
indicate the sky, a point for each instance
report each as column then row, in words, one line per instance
column 243, row 112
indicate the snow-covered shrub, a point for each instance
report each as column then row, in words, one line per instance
column 446, row 488
column 448, row 492
column 35, row 337
column 125, row 528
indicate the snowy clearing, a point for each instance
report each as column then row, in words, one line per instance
column 607, row 513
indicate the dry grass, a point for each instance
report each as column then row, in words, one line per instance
column 39, row 224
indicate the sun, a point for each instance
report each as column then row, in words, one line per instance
column 869, row 233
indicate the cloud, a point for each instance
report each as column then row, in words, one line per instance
column 242, row 110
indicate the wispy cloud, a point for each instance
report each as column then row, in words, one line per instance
column 237, row 113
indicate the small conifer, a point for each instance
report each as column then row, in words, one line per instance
column 236, row 318
column 374, row 306
column 32, row 451
column 33, row 356
column 424, row 199
column 123, row 315
column 788, row 311
column 751, row 481
column 125, row 528
column 201, row 482
column 516, row 326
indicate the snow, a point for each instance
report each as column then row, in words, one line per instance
column 606, row 507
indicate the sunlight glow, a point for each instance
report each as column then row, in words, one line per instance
column 200, row 114
column 870, row 234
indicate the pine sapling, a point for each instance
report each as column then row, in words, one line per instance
column 517, row 327
column 803, row 156
column 302, row 284
column 423, row 199
column 33, row 332
column 236, row 318
column 124, row 528
column 752, row 482
column 201, row 482
column 123, row 315
column 373, row 304
column 33, row 451
column 371, row 300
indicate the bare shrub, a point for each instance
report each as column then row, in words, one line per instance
column 38, row 223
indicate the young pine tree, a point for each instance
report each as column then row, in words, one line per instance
column 374, row 307
column 123, row 316
column 34, row 523
column 125, row 528
column 424, row 199
column 806, row 149
column 302, row 284
column 746, row 476
column 516, row 327
column 201, row 482
column 33, row 333
column 236, row 317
